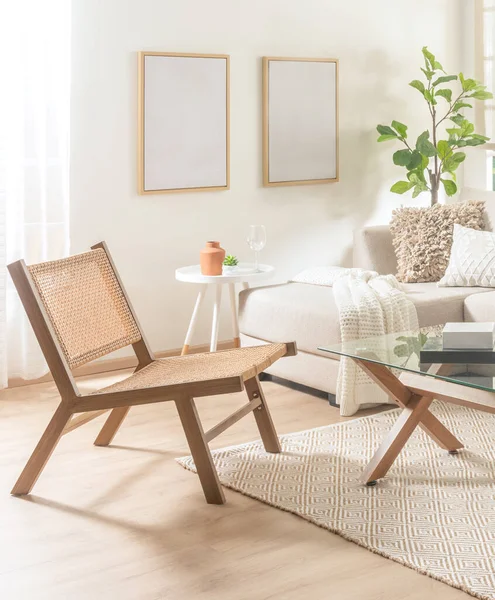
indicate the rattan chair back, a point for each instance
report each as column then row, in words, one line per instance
column 86, row 306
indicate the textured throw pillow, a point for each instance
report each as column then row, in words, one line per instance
column 422, row 237
column 472, row 259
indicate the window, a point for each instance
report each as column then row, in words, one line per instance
column 484, row 42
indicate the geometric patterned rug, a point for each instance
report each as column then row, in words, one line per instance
column 433, row 512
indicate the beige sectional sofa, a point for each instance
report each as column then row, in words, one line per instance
column 308, row 313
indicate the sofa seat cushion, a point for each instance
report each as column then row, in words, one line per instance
column 290, row 311
column 436, row 305
column 480, row 307
column 308, row 313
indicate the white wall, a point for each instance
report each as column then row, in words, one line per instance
column 379, row 47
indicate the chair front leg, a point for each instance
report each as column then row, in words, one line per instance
column 200, row 451
column 43, row 451
column 111, row 426
column 262, row 415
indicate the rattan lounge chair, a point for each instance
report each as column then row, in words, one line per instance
column 79, row 312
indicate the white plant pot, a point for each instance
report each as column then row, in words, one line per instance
column 229, row 270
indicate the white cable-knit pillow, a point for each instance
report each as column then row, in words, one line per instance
column 472, row 259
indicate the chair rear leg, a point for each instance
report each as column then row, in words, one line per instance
column 43, row 451
column 200, row 451
column 262, row 415
column 111, row 426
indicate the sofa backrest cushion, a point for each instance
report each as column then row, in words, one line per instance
column 373, row 250
column 490, row 216
column 488, row 197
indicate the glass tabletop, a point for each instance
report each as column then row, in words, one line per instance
column 418, row 352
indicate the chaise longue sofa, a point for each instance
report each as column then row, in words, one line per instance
column 308, row 313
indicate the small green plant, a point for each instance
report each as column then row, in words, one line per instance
column 430, row 161
column 230, row 261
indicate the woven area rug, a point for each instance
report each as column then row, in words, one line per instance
column 433, row 512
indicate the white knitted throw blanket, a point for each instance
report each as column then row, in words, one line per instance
column 369, row 305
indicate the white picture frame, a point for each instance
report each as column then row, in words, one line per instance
column 300, row 121
column 184, row 122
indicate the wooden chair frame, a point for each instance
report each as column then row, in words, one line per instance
column 76, row 409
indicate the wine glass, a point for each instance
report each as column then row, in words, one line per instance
column 256, row 240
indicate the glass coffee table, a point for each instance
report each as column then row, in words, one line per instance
column 393, row 363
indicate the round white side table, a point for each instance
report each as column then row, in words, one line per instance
column 244, row 274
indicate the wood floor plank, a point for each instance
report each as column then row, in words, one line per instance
column 125, row 521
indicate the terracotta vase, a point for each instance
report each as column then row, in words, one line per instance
column 211, row 259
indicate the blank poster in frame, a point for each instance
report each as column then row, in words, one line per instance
column 300, row 121
column 184, row 122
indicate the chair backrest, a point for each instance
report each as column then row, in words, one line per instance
column 86, row 306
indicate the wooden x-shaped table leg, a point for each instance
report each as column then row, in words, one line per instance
column 415, row 412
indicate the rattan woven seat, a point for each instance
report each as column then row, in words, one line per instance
column 245, row 363
column 79, row 312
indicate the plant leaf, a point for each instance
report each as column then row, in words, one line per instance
column 429, row 97
column 458, row 105
column 402, row 351
column 414, row 177
column 429, row 56
column 444, row 79
column 428, row 74
column 417, row 175
column 401, row 187
column 402, row 158
column 452, row 174
column 444, row 149
column 386, row 138
column 437, row 66
column 424, row 146
column 447, row 94
column 473, row 142
column 416, row 160
column 400, row 128
column 467, row 128
column 419, row 85
column 454, row 131
column 419, row 189
column 458, row 157
column 385, row 130
column 468, row 84
column 481, row 95
column 449, row 186
column 458, row 119
column 451, row 163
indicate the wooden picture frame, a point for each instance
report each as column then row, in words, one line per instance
column 295, row 94
column 183, row 122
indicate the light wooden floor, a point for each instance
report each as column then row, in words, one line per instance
column 127, row 522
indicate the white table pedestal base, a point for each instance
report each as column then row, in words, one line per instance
column 244, row 275
column 215, row 325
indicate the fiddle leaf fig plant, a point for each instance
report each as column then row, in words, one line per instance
column 434, row 157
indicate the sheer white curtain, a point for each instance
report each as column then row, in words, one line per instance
column 484, row 50
column 34, row 165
